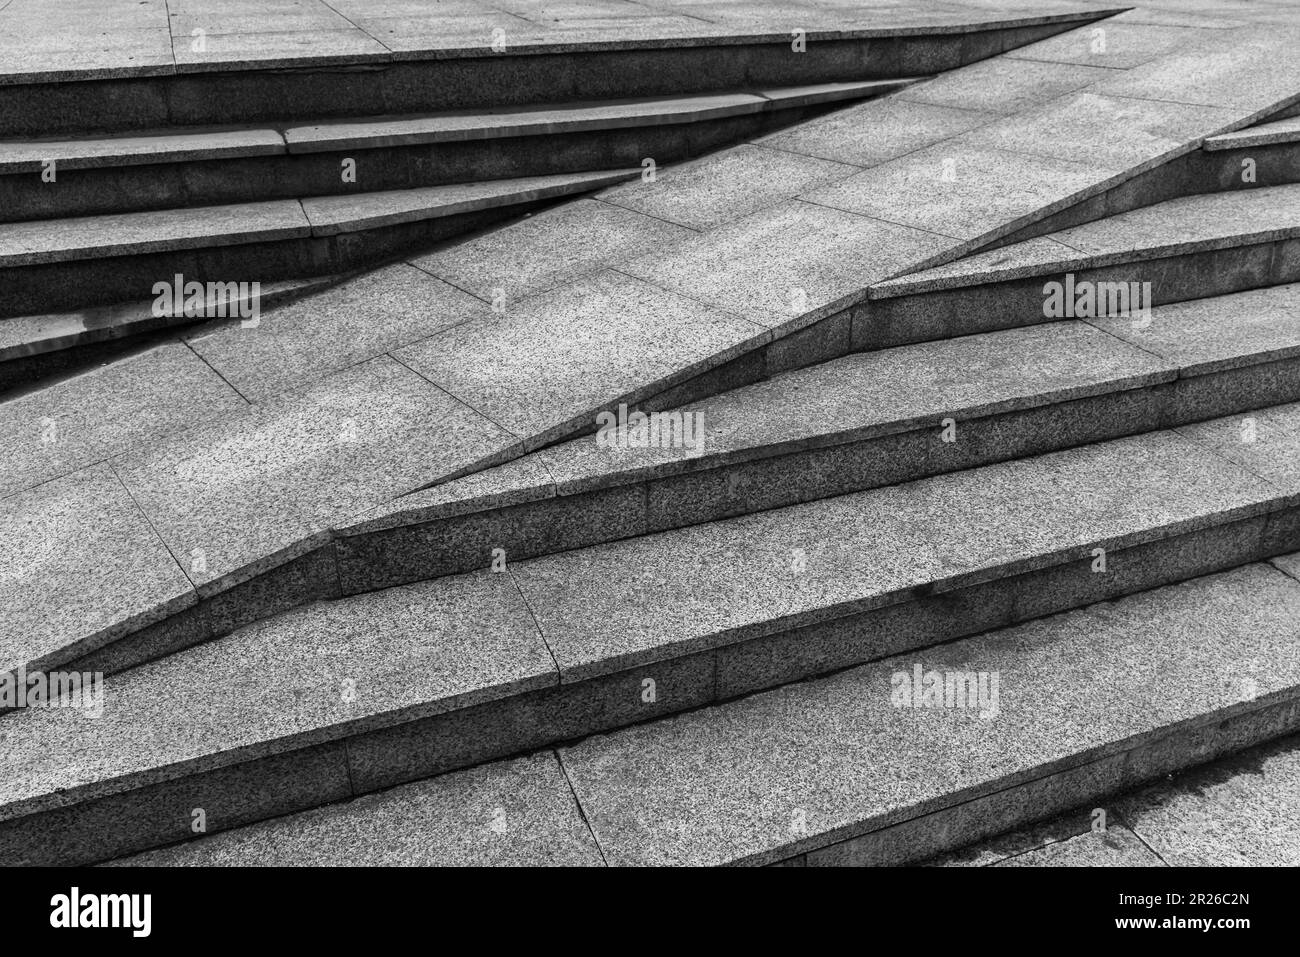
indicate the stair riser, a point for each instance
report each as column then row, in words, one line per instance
column 414, row 86
column 123, row 189
column 1194, row 173
column 75, row 284
column 967, row 310
column 94, row 343
column 1082, row 786
column 463, row 543
column 319, row 772
column 352, row 564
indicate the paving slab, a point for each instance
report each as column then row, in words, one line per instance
column 236, row 497
column 546, row 365
column 298, row 48
column 1262, row 134
column 1253, row 73
column 292, row 345
column 765, row 777
column 306, row 677
column 125, row 234
column 85, row 419
column 1206, row 221
column 1117, row 846
column 330, row 215
column 726, row 185
column 1029, row 257
column 1225, row 332
column 877, row 393
column 525, row 479
column 1188, row 224
column 548, row 249
column 51, row 56
column 1240, row 812
column 461, row 125
column 709, row 585
column 171, row 147
column 789, row 264
column 79, row 566
column 1105, row 130
column 1266, row 441
column 518, row 813
column 1288, row 563
column 1108, row 44
column 960, row 189
column 1003, row 85
column 876, row 131
column 819, row 93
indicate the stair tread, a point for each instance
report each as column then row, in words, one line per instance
column 1186, row 224
column 664, row 596
column 518, row 121
column 1261, row 134
column 1242, row 810
column 330, row 215
column 161, row 146
column 22, row 336
column 726, row 784
column 893, row 390
column 183, row 144
column 121, row 234
column 517, row 813
column 764, row 778
column 125, row 234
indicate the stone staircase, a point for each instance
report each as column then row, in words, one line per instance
column 924, row 562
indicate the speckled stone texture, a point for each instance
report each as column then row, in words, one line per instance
column 1116, row 847
column 875, row 132
column 89, row 153
column 1077, row 127
column 514, row 813
column 1109, row 44
column 962, row 190
column 79, row 566
column 330, row 215
column 547, row 365
column 547, row 249
column 1182, row 226
column 307, row 677
column 265, row 486
column 91, row 237
column 726, row 185
column 1243, row 811
column 1225, row 332
column 524, row 121
column 877, row 393
column 788, row 264
column 304, row 340
column 763, row 778
column 108, row 410
column 1266, row 441
column 1003, row 85
column 721, row 583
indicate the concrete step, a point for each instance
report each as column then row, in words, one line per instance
column 61, row 264
column 1193, row 247
column 1261, row 134
column 1241, row 810
column 861, row 767
column 38, row 349
column 860, row 422
column 370, row 691
column 164, row 169
column 272, row 78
